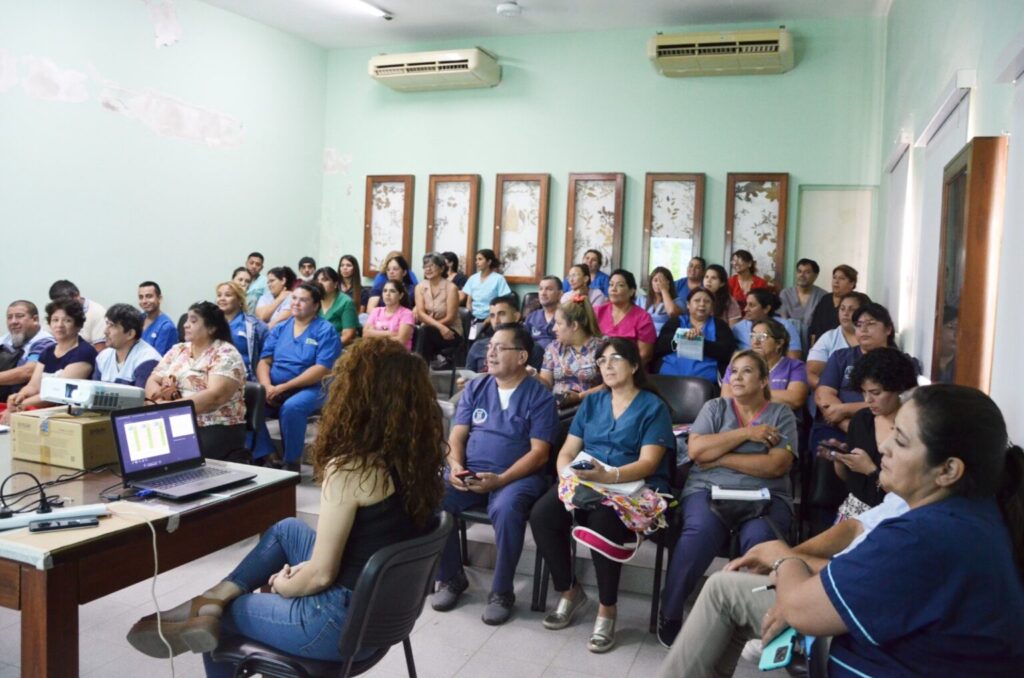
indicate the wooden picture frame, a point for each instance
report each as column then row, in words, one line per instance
column 595, row 217
column 673, row 221
column 388, row 218
column 452, row 208
column 521, row 225
column 755, row 220
column 973, row 193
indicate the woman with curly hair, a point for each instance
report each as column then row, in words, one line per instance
column 381, row 483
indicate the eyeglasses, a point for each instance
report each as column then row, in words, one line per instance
column 760, row 336
column 866, row 324
column 497, row 348
column 610, row 359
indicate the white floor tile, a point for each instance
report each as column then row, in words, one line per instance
column 500, row 666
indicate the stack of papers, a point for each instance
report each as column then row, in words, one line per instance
column 740, row 495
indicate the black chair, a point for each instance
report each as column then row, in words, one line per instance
column 387, row 601
column 817, row 662
column 685, row 395
column 255, row 397
column 531, row 302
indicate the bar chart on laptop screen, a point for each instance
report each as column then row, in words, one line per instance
column 146, row 439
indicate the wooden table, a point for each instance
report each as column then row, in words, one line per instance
column 49, row 598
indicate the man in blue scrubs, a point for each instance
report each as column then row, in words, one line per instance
column 502, row 434
column 541, row 322
column 158, row 330
column 126, row 359
column 598, row 278
column 297, row 356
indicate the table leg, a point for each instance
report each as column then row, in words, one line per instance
column 49, row 621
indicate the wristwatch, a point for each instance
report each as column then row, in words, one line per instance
column 780, row 561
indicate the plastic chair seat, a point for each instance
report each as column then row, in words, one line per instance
column 269, row 661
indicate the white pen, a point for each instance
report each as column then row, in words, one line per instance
column 766, row 587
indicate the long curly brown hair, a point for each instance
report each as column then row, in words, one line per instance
column 382, row 413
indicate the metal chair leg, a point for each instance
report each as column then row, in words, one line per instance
column 656, row 592
column 463, row 544
column 409, row 661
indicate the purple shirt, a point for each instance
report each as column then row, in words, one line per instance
column 541, row 329
column 785, row 371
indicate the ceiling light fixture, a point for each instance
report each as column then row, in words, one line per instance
column 372, row 10
column 509, row 9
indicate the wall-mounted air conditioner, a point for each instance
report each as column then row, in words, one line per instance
column 450, row 69
column 726, row 53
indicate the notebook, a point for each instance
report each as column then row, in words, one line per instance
column 158, row 448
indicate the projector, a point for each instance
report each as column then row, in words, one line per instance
column 91, row 395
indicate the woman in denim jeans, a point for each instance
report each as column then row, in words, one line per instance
column 381, row 483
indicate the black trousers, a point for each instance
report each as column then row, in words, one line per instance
column 226, row 443
column 429, row 342
column 551, row 525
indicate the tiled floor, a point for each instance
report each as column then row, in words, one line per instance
column 445, row 645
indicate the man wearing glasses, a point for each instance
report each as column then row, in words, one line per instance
column 500, row 442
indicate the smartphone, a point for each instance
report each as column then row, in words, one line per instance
column 834, row 448
column 65, row 524
column 466, row 473
column 582, row 465
column 779, row 652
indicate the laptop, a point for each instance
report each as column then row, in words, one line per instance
column 158, row 447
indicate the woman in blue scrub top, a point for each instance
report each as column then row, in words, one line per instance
column 626, row 427
column 247, row 331
column 698, row 321
column 485, row 285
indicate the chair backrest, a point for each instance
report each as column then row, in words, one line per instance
column 531, row 302
column 390, row 593
column 685, row 395
column 255, row 401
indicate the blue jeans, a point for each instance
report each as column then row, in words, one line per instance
column 293, row 414
column 308, row 626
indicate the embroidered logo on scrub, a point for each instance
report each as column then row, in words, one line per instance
column 311, row 342
column 479, row 415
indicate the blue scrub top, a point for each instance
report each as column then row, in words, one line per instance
column 162, row 334
column 318, row 345
column 483, row 291
column 541, row 329
column 617, row 442
column 242, row 339
column 685, row 367
column 499, row 438
column 597, row 282
column 933, row 592
column 743, row 328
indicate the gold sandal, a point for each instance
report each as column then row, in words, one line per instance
column 603, row 637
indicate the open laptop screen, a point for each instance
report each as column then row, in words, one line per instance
column 156, row 437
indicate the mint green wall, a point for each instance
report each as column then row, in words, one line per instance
column 105, row 201
column 593, row 102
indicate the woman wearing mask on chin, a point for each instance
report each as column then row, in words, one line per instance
column 716, row 281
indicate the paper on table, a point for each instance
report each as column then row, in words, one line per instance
column 619, row 488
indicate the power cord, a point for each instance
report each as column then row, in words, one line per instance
column 7, row 512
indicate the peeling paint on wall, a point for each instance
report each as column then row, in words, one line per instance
column 47, row 81
column 164, row 15
column 336, row 163
column 8, row 70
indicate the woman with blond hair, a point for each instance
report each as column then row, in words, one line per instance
column 247, row 331
column 570, row 361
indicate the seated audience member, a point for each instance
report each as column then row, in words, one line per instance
column 570, row 362
column 484, row 285
column 352, row 281
column 306, row 270
column 825, row 315
column 502, row 434
column 158, row 330
column 621, row 317
column 20, row 348
column 382, row 276
column 335, row 307
column 297, row 356
column 627, row 428
column 437, row 311
column 948, row 345
column 392, row 319
column 882, row 376
column 95, row 320
column 763, row 305
column 275, row 306
column 716, row 341
column 207, row 369
column 258, row 283
column 241, row 277
column 503, row 311
column 454, row 273
column 71, row 356
column 397, row 269
column 578, row 280
column 126, row 359
column 800, row 300
column 659, row 300
column 695, row 270
column 833, row 340
column 380, row 486
column 937, row 591
column 743, row 442
column 787, row 377
column 592, row 261
column 744, row 279
column 733, row 603
column 716, row 281
column 247, row 331
column 541, row 321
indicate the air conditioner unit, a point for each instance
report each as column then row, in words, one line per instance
column 727, row 53
column 452, row 69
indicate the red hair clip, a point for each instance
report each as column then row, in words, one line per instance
column 578, row 299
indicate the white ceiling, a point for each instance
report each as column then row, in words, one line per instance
column 339, row 24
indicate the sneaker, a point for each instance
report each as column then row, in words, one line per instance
column 752, row 651
column 448, row 593
column 668, row 629
column 499, row 608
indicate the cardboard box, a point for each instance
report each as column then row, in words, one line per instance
column 52, row 436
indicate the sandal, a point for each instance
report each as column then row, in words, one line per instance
column 603, row 637
column 198, row 633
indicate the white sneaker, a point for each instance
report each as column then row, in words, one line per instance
column 752, row 651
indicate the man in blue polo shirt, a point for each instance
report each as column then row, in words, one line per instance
column 500, row 442
column 541, row 322
column 126, row 359
column 158, row 329
column 297, row 355
column 25, row 339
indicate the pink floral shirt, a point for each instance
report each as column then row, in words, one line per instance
column 221, row 359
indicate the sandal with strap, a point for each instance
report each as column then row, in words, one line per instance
column 603, row 637
column 199, row 633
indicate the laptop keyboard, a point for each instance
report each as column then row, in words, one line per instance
column 184, row 477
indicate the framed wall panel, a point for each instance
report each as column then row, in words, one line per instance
column 521, row 225
column 595, row 217
column 388, row 219
column 452, row 215
column 755, row 220
column 673, row 220
column 834, row 226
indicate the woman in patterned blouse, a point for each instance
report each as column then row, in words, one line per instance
column 570, row 368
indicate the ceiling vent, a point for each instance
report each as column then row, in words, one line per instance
column 424, row 71
column 729, row 53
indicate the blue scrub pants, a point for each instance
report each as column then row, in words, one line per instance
column 702, row 538
column 509, row 509
column 293, row 414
